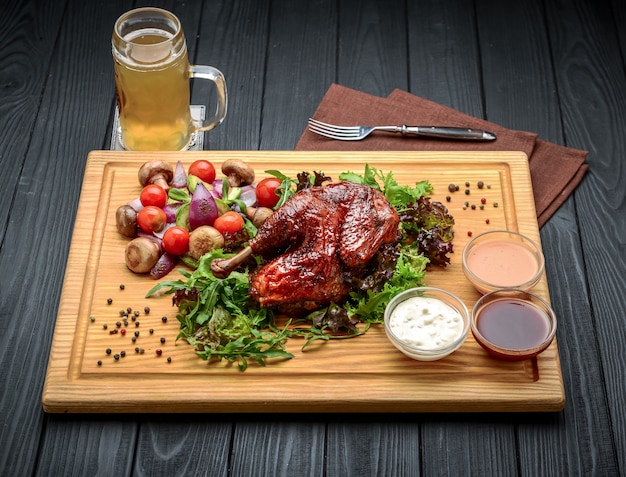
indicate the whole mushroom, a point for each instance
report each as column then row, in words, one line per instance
column 142, row 254
column 238, row 172
column 126, row 221
column 204, row 239
column 156, row 172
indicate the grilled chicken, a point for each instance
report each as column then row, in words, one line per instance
column 316, row 241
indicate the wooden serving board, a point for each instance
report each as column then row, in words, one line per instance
column 364, row 374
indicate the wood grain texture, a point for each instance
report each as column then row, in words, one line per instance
column 444, row 55
column 285, row 447
column 518, row 77
column 234, row 39
column 45, row 198
column 300, row 65
column 576, row 100
column 23, row 66
column 372, row 46
column 468, row 380
column 368, row 446
column 183, row 446
column 590, row 74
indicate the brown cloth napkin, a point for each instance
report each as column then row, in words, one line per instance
column 555, row 170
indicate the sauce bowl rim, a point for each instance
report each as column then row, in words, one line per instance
column 479, row 283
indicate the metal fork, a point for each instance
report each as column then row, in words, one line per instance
column 356, row 133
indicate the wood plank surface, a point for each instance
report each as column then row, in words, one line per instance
column 469, row 380
column 591, row 80
column 566, row 83
column 517, row 76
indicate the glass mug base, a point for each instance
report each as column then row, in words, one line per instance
column 198, row 113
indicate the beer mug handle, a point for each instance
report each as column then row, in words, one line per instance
column 215, row 75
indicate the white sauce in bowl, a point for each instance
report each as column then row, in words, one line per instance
column 425, row 322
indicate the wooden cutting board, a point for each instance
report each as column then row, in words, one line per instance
column 364, row 374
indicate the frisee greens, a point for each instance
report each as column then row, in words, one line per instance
column 217, row 317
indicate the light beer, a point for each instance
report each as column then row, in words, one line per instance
column 152, row 74
column 153, row 94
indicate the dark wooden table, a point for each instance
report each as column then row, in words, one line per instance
column 556, row 68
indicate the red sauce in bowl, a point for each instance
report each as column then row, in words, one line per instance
column 513, row 324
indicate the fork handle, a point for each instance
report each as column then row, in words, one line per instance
column 446, row 132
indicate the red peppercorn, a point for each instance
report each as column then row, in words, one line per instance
column 159, row 352
column 483, row 201
column 486, row 221
column 469, row 233
column 122, row 332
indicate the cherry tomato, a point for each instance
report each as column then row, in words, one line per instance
column 266, row 192
column 153, row 194
column 203, row 170
column 230, row 222
column 176, row 240
column 151, row 219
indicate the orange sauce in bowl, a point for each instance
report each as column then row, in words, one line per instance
column 503, row 263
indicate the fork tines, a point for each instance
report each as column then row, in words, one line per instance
column 332, row 131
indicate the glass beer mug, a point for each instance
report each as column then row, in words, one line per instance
column 152, row 76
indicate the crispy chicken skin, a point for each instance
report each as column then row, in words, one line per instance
column 314, row 242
